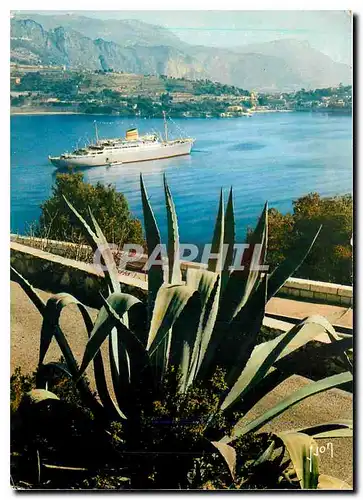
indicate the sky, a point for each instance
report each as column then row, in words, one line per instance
column 328, row 31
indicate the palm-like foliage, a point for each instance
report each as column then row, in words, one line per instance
column 211, row 320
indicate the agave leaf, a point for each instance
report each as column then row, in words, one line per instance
column 107, row 256
column 131, row 354
column 297, row 396
column 208, row 285
column 265, row 355
column 218, row 237
column 280, row 372
column 229, row 455
column 155, row 272
column 90, row 234
column 173, row 238
column 36, row 396
column 324, row 351
column 242, row 283
column 265, row 455
column 235, row 341
column 337, row 433
column 101, row 385
column 344, row 358
column 46, row 371
column 332, row 483
column 170, row 301
column 99, row 243
column 121, row 303
column 120, row 369
column 64, row 467
column 50, row 328
column 169, row 304
column 184, row 336
column 132, row 343
column 288, row 267
column 229, row 240
column 335, row 429
column 108, row 402
column 301, row 449
column 28, row 289
column 201, row 280
column 46, row 338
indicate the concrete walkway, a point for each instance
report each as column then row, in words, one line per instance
column 337, row 315
column 331, row 405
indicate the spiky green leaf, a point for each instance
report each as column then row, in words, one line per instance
column 208, row 285
column 99, row 244
column 173, row 238
column 214, row 264
column 310, row 389
column 155, row 272
column 288, row 267
column 229, row 240
column 183, row 338
column 265, row 355
column 28, row 289
column 229, row 455
column 329, row 430
column 120, row 303
column 301, row 449
column 51, row 328
column 242, row 282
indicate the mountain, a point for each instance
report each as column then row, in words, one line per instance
column 251, row 71
column 136, row 47
column 30, row 42
column 123, row 32
column 307, row 62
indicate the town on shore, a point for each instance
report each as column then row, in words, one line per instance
column 41, row 89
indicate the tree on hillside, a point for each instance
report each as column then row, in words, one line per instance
column 331, row 257
column 109, row 207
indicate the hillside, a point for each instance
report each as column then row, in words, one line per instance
column 31, row 43
column 126, row 33
column 307, row 62
column 78, row 42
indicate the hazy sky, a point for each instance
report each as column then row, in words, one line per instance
column 328, row 31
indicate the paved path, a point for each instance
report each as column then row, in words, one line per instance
column 331, row 405
column 337, row 315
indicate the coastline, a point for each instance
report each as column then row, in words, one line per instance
column 17, row 112
column 34, row 112
column 14, row 112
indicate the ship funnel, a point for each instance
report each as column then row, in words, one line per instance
column 132, row 134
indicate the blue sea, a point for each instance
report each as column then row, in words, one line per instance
column 276, row 157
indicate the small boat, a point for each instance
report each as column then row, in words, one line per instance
column 113, row 163
column 131, row 148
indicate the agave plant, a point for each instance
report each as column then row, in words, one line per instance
column 209, row 321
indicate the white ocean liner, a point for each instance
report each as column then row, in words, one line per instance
column 132, row 148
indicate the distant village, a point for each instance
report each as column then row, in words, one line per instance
column 38, row 89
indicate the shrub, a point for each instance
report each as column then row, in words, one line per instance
column 109, row 206
column 331, row 258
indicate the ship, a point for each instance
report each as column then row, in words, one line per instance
column 129, row 149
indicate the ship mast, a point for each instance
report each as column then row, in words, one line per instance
column 96, row 130
column 165, row 128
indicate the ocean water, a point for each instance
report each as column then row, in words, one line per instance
column 274, row 156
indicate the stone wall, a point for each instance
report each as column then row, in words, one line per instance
column 55, row 273
column 317, row 291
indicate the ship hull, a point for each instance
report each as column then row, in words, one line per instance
column 126, row 155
